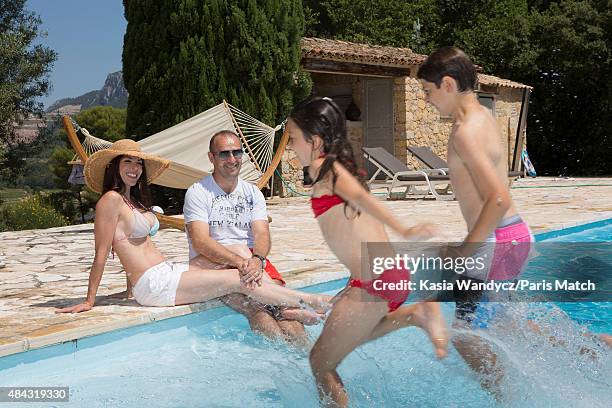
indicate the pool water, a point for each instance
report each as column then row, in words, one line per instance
column 596, row 316
column 212, row 359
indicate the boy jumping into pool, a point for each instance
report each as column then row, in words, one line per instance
column 478, row 174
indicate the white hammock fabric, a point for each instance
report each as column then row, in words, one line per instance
column 186, row 145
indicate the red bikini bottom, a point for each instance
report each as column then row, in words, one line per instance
column 391, row 285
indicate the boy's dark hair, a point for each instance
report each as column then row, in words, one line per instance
column 452, row 62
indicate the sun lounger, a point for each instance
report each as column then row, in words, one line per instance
column 426, row 156
column 392, row 173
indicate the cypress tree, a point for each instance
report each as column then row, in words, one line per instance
column 183, row 57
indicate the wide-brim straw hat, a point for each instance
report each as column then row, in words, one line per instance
column 96, row 164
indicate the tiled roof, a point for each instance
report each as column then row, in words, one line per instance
column 493, row 80
column 344, row 51
column 336, row 50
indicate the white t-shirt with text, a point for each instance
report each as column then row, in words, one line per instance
column 229, row 216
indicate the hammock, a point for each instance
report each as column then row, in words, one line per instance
column 186, row 146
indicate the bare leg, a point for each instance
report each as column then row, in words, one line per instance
column 197, row 285
column 306, row 317
column 294, row 332
column 259, row 320
column 349, row 325
column 343, row 332
column 126, row 294
column 604, row 338
column 480, row 357
column 426, row 315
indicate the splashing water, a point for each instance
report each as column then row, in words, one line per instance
column 213, row 359
column 200, row 360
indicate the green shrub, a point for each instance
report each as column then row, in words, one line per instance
column 30, row 213
column 64, row 202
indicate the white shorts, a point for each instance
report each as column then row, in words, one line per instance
column 158, row 285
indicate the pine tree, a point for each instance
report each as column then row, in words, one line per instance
column 24, row 66
column 183, row 57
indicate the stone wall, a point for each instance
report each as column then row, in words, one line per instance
column 507, row 113
column 293, row 176
column 325, row 85
column 416, row 122
column 421, row 124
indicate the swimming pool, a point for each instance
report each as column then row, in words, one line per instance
column 597, row 316
column 212, row 359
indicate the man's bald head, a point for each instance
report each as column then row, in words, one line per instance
column 212, row 147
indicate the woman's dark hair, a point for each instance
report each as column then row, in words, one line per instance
column 321, row 116
column 140, row 193
column 451, row 62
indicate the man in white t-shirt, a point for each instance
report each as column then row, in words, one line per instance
column 227, row 227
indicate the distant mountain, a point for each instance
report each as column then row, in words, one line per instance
column 113, row 93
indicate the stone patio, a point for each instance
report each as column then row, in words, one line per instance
column 41, row 270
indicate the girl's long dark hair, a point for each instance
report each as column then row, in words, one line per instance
column 321, row 116
column 140, row 193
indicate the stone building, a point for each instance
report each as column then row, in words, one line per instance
column 385, row 105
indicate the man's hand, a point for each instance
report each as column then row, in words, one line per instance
column 253, row 273
column 81, row 307
column 242, row 266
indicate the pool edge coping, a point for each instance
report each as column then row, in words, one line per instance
column 24, row 344
column 571, row 228
column 155, row 314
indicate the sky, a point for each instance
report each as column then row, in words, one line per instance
column 88, row 38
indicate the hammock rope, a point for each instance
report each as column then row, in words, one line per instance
column 259, row 136
column 91, row 144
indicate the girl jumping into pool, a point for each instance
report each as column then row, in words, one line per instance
column 348, row 216
column 125, row 224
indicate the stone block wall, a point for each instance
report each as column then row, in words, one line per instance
column 419, row 124
column 507, row 113
column 354, row 132
column 416, row 123
column 324, row 85
column 293, row 176
column 423, row 126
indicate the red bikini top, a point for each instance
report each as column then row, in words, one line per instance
column 323, row 203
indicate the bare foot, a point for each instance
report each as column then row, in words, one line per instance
column 304, row 316
column 428, row 316
column 606, row 338
column 325, row 303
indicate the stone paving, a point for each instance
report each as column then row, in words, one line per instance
column 41, row 270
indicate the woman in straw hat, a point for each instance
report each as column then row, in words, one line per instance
column 125, row 224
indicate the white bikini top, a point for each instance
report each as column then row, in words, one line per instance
column 142, row 227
